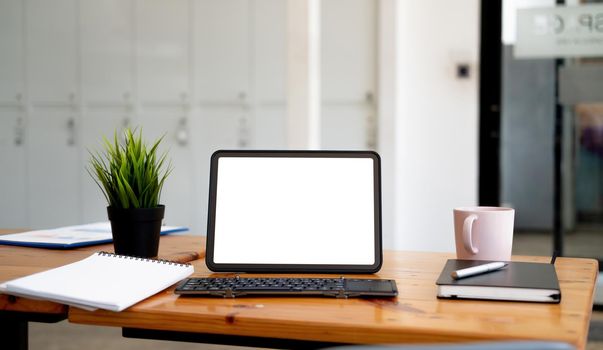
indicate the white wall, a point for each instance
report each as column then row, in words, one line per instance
column 435, row 143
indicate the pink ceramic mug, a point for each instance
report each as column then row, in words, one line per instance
column 484, row 233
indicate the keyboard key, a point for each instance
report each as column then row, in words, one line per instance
column 236, row 286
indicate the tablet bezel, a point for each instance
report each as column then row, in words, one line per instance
column 297, row 268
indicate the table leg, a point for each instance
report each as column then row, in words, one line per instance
column 14, row 333
column 14, row 326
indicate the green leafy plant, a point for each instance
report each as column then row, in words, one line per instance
column 130, row 174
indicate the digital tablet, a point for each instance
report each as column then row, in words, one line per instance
column 294, row 211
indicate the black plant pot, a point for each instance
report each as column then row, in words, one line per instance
column 136, row 231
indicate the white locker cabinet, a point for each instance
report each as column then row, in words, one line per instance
column 163, row 49
column 200, row 167
column 53, row 168
column 223, row 127
column 268, row 128
column 270, row 51
column 11, row 50
column 267, row 124
column 13, row 187
column 348, row 66
column 51, row 50
column 221, row 39
column 348, row 49
column 214, row 70
column 239, row 62
column 216, row 127
column 95, row 124
column 107, row 49
column 178, row 191
column 349, row 126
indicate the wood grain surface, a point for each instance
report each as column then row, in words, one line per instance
column 22, row 261
column 416, row 315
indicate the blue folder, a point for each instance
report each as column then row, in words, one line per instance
column 70, row 237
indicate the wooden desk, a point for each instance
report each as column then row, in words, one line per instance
column 16, row 262
column 415, row 316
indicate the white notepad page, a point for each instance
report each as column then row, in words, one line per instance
column 103, row 280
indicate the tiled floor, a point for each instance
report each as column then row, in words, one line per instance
column 66, row 336
column 596, row 332
column 587, row 241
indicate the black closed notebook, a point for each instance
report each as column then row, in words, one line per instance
column 518, row 281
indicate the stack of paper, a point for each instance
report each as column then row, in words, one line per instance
column 103, row 280
column 70, row 236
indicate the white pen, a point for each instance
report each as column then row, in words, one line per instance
column 477, row 270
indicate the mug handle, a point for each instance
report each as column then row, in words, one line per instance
column 467, row 242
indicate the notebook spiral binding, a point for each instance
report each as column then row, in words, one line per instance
column 137, row 258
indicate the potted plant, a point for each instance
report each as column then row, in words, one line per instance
column 131, row 176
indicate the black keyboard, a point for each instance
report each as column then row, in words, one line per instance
column 230, row 287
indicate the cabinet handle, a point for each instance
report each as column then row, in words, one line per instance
column 371, row 132
column 72, row 102
column 242, row 97
column 20, row 104
column 371, row 122
column 125, row 124
column 369, row 97
column 182, row 132
column 185, row 105
column 243, row 140
column 19, row 132
column 71, row 132
column 19, row 126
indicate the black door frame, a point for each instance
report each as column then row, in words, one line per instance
column 490, row 84
column 489, row 102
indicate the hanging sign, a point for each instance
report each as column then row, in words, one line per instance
column 564, row 31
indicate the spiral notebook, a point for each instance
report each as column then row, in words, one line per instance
column 101, row 281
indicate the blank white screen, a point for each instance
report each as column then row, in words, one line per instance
column 295, row 211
